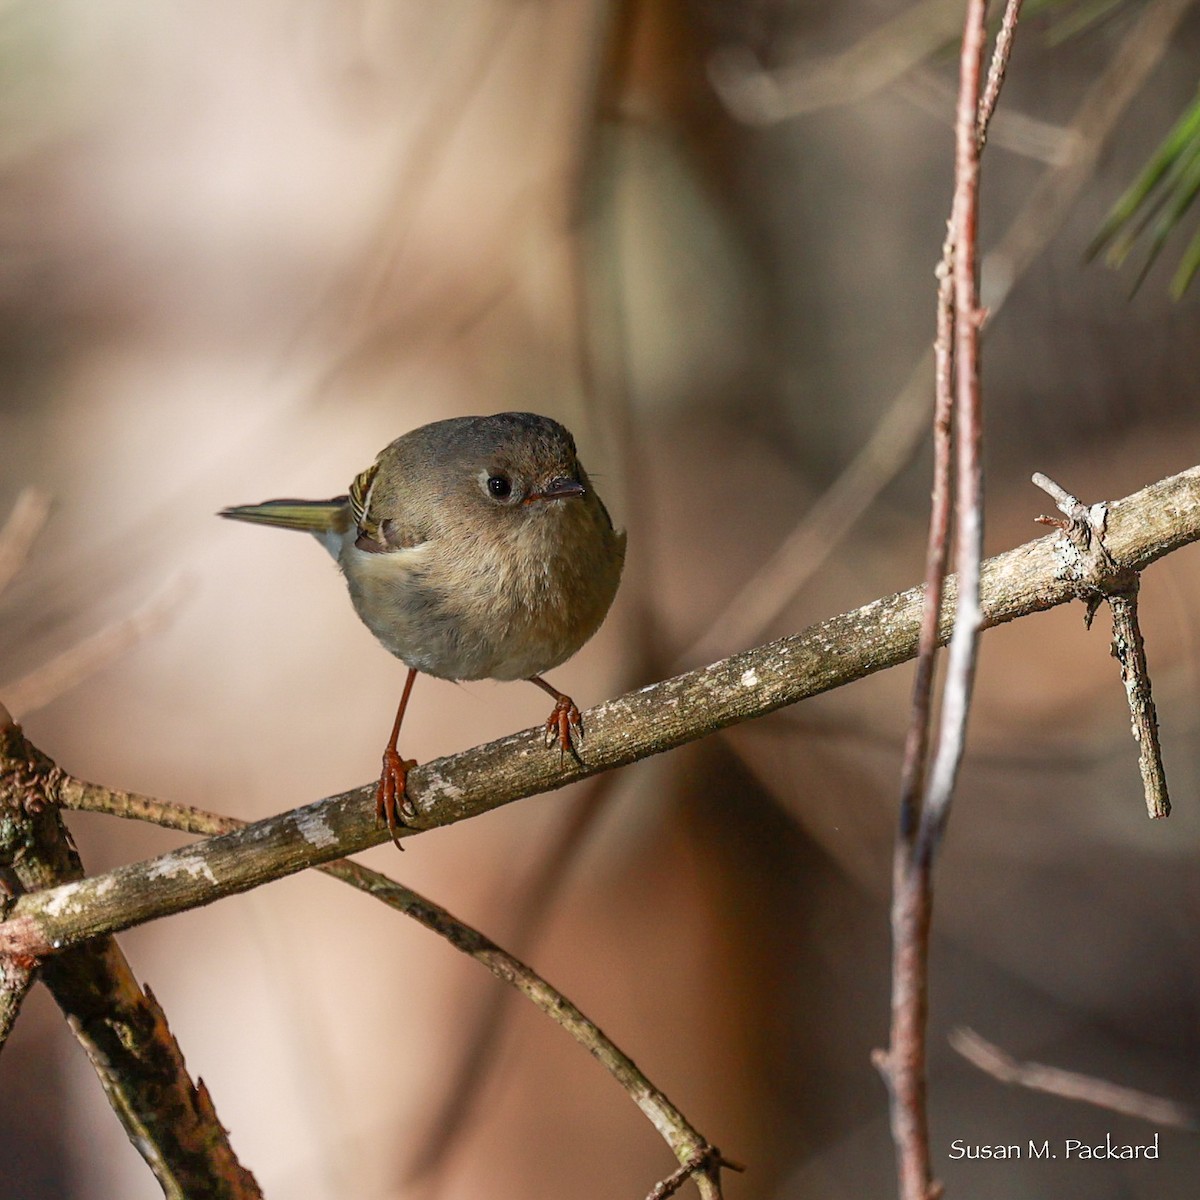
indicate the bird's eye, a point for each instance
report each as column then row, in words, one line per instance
column 499, row 487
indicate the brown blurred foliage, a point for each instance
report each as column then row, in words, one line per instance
column 244, row 246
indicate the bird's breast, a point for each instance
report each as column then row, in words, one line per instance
column 475, row 608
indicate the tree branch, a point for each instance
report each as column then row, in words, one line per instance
column 1031, row 578
column 16, row 977
column 15, row 980
column 169, row 1119
column 959, row 409
column 699, row 1159
column 1085, row 528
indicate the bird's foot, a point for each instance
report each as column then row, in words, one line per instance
column 392, row 805
column 564, row 726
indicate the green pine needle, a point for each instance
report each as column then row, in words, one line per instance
column 1157, row 201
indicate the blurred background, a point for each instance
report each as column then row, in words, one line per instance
column 243, row 246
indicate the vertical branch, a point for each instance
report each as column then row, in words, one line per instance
column 15, row 980
column 1130, row 651
column 968, row 446
column 16, row 973
column 903, row 1066
column 957, row 451
column 916, row 746
column 998, row 69
column 169, row 1119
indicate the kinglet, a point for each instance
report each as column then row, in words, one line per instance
column 474, row 548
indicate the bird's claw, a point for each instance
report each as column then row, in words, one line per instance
column 564, row 726
column 392, row 805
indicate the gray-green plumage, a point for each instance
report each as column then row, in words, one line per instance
column 473, row 548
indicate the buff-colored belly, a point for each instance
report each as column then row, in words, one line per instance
column 480, row 619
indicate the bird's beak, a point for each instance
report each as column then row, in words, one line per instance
column 557, row 489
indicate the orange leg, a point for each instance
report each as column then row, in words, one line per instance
column 564, row 725
column 391, row 802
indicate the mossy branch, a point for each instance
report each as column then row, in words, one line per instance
column 169, row 1119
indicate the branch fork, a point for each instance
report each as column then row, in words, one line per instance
column 704, row 1166
column 1085, row 556
column 1100, row 577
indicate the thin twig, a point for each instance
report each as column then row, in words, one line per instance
column 968, row 421
column 685, row 1142
column 1070, row 506
column 689, row 1146
column 1070, row 1085
column 958, row 393
column 448, row 1117
column 1130, row 652
column 997, row 70
column 916, row 747
column 903, row 1065
column 1141, row 529
column 1085, row 553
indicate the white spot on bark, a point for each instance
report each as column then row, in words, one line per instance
column 171, row 865
column 750, row 678
column 62, row 899
column 315, row 830
column 438, row 787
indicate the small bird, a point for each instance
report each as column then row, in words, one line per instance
column 474, row 548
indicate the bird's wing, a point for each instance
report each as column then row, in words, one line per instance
column 379, row 533
column 360, row 500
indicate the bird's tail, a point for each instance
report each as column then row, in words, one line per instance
column 320, row 517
